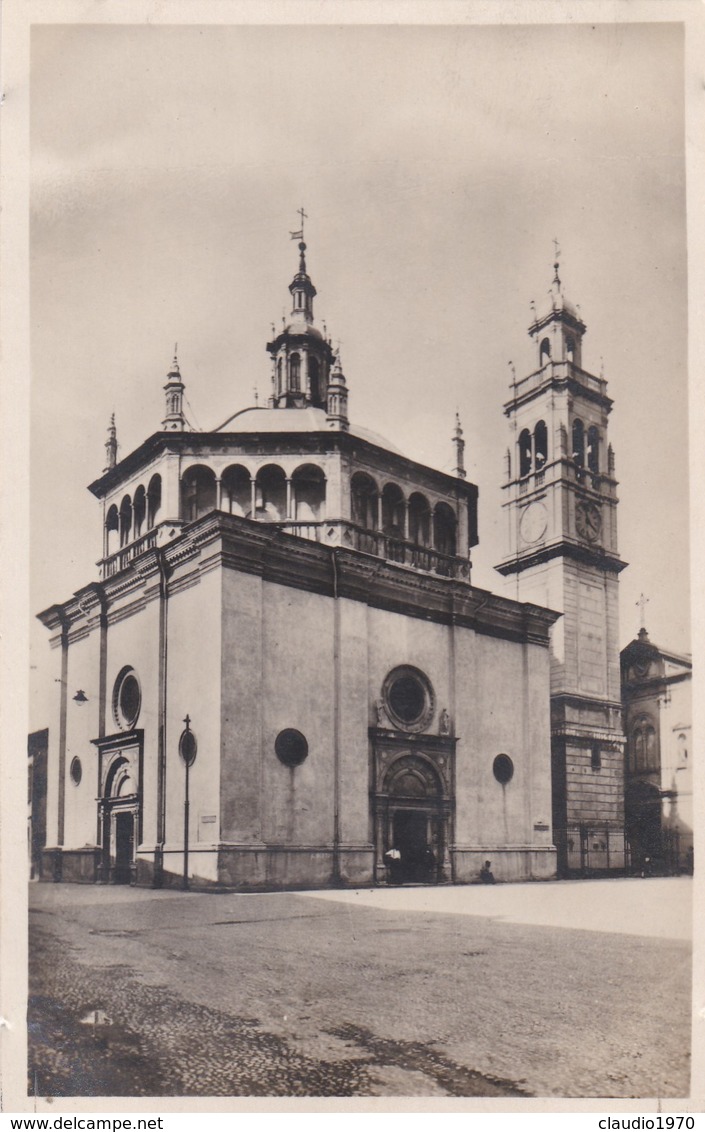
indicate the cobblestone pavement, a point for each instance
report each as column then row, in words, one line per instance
column 141, row 993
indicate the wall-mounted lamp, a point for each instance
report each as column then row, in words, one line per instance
column 81, row 697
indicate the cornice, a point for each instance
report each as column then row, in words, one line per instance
column 585, row 737
column 240, row 443
column 587, row 556
column 562, row 382
column 651, row 684
column 565, row 480
column 578, row 699
column 385, row 736
column 557, row 314
column 120, row 740
column 251, row 547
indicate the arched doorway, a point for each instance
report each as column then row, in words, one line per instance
column 413, row 815
column 119, row 813
column 642, row 813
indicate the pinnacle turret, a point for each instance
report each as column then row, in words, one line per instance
column 337, row 399
column 174, row 419
column 111, row 445
column 459, row 445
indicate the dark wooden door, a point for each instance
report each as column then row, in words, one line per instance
column 124, row 847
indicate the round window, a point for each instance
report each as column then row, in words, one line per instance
column 409, row 698
column 76, row 770
column 291, row 747
column 503, row 769
column 127, row 699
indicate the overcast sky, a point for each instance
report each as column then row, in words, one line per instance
column 436, row 164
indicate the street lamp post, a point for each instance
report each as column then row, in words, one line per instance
column 187, row 751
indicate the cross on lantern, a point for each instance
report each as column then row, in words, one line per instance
column 642, row 603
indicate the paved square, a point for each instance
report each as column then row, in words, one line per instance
column 577, row 989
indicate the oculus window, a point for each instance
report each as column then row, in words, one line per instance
column 408, row 698
column 503, row 769
column 291, row 747
column 127, row 699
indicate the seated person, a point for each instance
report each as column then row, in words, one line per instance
column 486, row 876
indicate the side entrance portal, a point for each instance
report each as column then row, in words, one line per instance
column 119, row 805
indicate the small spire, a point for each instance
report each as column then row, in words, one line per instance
column 302, row 289
column 459, row 443
column 299, row 235
column 642, row 603
column 111, row 445
column 557, row 254
column 175, row 371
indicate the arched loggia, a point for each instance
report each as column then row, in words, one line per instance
column 198, row 492
column 309, row 493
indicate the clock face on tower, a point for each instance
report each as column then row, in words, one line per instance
column 588, row 521
column 533, row 522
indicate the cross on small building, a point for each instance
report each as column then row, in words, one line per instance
column 642, row 603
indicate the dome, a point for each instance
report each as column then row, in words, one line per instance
column 557, row 301
column 310, row 419
column 302, row 327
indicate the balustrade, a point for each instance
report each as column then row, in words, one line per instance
column 336, row 532
column 381, row 545
column 114, row 563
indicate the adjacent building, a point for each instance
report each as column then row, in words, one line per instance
column 657, row 701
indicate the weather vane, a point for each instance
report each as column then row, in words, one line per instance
column 300, row 234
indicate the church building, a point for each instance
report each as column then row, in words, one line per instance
column 282, row 669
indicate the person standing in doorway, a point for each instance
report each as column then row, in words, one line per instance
column 393, row 861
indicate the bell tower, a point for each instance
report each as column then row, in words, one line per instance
column 561, row 524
